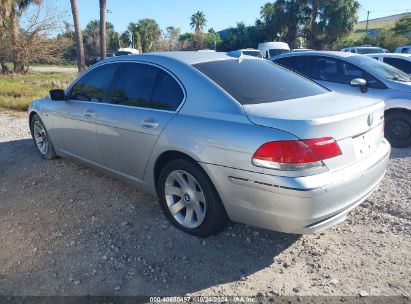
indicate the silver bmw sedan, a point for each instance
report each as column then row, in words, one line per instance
column 217, row 137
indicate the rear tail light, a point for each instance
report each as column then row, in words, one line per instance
column 296, row 154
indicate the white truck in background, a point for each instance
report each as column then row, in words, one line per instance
column 271, row 49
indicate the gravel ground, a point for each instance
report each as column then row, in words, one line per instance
column 69, row 230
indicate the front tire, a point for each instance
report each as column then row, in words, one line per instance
column 189, row 200
column 398, row 128
column 41, row 138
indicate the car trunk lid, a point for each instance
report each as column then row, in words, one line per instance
column 355, row 123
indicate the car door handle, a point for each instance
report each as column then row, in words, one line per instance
column 89, row 113
column 149, row 124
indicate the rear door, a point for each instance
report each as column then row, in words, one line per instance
column 74, row 118
column 143, row 100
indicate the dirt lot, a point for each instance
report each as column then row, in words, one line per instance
column 68, row 230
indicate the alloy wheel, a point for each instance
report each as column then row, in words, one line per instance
column 185, row 199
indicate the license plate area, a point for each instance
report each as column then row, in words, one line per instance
column 366, row 143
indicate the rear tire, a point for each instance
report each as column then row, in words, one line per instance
column 189, row 200
column 398, row 128
column 41, row 138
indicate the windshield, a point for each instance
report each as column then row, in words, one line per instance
column 253, row 53
column 381, row 69
column 369, row 50
column 275, row 52
column 254, row 81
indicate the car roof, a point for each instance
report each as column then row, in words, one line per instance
column 318, row 53
column 188, row 57
column 394, row 55
column 364, row 47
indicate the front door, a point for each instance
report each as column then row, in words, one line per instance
column 337, row 74
column 75, row 117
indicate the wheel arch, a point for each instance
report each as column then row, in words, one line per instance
column 392, row 110
column 32, row 113
column 164, row 158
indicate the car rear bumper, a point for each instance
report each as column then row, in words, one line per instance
column 300, row 205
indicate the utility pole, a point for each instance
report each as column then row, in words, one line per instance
column 366, row 25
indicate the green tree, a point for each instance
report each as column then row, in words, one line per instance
column 403, row 27
column 283, row 20
column 330, row 20
column 173, row 32
column 113, row 41
column 125, row 39
column 91, row 38
column 198, row 21
column 146, row 32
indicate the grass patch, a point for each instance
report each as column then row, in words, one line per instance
column 17, row 91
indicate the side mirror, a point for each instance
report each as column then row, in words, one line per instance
column 57, row 94
column 359, row 83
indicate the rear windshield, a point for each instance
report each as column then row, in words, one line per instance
column 275, row 52
column 369, row 50
column 253, row 81
column 123, row 53
column 253, row 53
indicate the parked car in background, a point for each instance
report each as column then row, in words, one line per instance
column 271, row 49
column 364, row 49
column 251, row 52
column 217, row 138
column 406, row 49
column 127, row 51
column 362, row 76
column 397, row 60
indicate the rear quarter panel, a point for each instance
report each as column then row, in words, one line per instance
column 228, row 143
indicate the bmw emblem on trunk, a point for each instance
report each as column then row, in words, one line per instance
column 370, row 119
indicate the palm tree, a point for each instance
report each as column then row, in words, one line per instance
column 79, row 37
column 4, row 15
column 198, row 21
column 103, row 4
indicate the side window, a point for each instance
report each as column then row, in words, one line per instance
column 400, row 64
column 325, row 69
column 405, row 50
column 134, row 85
column 94, row 85
column 295, row 63
column 167, row 94
column 350, row 71
column 352, row 50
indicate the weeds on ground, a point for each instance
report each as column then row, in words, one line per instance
column 17, row 91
